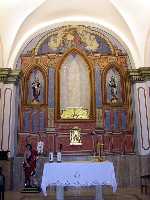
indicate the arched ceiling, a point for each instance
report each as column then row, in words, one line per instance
column 23, row 19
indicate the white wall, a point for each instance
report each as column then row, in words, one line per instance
column 21, row 19
column 142, row 109
column 7, row 117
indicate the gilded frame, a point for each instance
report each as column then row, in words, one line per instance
column 24, row 84
column 57, row 89
column 24, row 106
column 123, row 86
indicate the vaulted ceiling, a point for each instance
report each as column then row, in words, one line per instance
column 128, row 21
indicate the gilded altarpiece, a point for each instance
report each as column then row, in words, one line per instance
column 75, row 76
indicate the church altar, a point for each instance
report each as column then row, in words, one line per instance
column 78, row 174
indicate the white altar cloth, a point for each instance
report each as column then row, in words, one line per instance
column 78, row 174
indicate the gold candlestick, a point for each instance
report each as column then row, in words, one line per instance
column 99, row 150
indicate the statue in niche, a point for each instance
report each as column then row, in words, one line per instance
column 35, row 87
column 113, row 84
column 36, row 90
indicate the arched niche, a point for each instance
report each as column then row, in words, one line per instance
column 35, row 87
column 75, row 94
column 114, row 80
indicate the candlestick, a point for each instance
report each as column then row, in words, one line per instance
column 58, row 156
column 60, row 147
column 51, row 157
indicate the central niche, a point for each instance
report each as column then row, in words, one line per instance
column 75, row 87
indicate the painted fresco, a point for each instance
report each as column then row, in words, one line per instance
column 79, row 37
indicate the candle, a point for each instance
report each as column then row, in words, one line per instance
column 51, row 157
column 58, row 156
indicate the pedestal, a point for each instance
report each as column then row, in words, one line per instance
column 59, row 193
column 99, row 194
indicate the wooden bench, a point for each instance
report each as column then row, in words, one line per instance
column 145, row 183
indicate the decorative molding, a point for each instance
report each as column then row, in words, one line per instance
column 5, row 106
column 144, row 127
column 139, row 75
column 7, row 75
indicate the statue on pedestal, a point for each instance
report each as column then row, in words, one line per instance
column 36, row 90
column 114, row 89
column 29, row 165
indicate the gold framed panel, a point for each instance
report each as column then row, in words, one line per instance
column 123, row 78
column 25, row 86
column 57, row 88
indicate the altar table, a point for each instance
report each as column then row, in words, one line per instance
column 78, row 174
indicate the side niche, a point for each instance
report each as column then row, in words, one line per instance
column 33, row 115
column 113, row 86
column 35, row 88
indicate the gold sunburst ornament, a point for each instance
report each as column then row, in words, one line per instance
column 75, row 136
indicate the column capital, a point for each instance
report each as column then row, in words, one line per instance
column 8, row 75
column 141, row 74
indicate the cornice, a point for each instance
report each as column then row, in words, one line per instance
column 7, row 75
column 139, row 75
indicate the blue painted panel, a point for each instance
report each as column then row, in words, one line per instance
column 116, row 123
column 51, row 79
column 34, row 122
column 107, row 120
column 98, row 87
column 124, row 120
column 26, row 121
column 41, row 121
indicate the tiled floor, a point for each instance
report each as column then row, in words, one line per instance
column 82, row 194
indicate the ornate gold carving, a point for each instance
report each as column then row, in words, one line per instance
column 58, row 111
column 50, row 117
column 75, row 113
column 75, row 137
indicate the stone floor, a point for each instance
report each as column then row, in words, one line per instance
column 82, row 194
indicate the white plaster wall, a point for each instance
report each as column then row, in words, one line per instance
column 8, row 116
column 1, row 94
column 1, row 53
column 141, row 95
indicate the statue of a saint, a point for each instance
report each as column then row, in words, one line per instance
column 113, row 88
column 29, row 165
column 36, row 90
